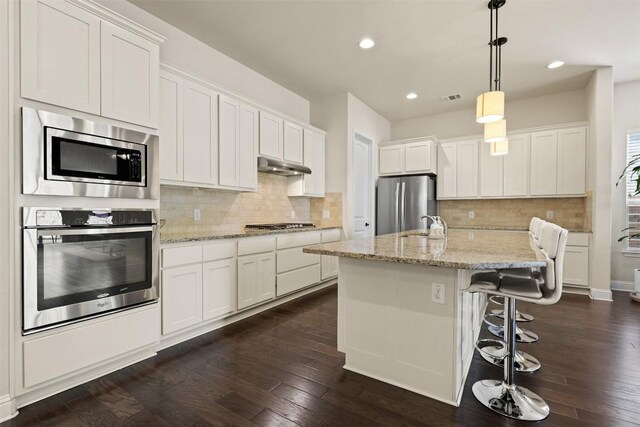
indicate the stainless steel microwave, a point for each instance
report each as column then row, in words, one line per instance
column 67, row 156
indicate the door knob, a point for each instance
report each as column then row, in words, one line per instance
column 366, row 224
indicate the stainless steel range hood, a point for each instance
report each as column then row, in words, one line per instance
column 282, row 168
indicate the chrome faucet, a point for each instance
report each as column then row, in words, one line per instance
column 435, row 219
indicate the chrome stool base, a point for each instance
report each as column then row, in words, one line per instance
column 496, row 299
column 511, row 401
column 522, row 335
column 520, row 317
column 523, row 362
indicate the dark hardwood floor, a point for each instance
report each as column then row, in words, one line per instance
column 281, row 368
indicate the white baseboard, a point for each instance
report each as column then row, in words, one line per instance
column 619, row 285
column 601, row 294
column 7, row 408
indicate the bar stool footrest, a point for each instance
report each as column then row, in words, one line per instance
column 491, row 350
column 523, row 362
column 520, row 317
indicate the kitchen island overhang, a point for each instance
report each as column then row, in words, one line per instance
column 389, row 325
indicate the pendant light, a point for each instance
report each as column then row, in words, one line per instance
column 495, row 131
column 499, row 148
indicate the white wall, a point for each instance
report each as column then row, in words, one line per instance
column 626, row 116
column 600, row 182
column 342, row 116
column 564, row 107
column 189, row 53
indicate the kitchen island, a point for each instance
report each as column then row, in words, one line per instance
column 403, row 315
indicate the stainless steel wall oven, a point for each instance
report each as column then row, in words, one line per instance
column 67, row 156
column 81, row 263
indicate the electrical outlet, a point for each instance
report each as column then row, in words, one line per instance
column 437, row 293
column 293, row 214
column 326, row 214
column 196, row 214
column 471, row 235
column 549, row 214
column 472, row 214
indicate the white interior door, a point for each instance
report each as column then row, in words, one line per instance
column 362, row 187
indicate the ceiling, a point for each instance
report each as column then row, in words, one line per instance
column 431, row 47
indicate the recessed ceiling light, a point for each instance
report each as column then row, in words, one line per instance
column 367, row 43
column 412, row 95
column 556, row 64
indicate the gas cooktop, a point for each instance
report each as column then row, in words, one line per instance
column 279, row 226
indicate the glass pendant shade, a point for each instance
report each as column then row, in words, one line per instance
column 490, row 107
column 495, row 131
column 500, row 148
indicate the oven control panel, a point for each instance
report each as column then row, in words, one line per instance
column 97, row 217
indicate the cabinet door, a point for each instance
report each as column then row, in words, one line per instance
column 329, row 266
column 310, row 161
column 418, row 157
column 200, row 134
column 447, row 176
column 219, row 284
column 130, row 68
column 391, row 160
column 319, row 165
column 170, row 127
column 467, row 169
column 576, row 266
column 229, row 141
column 293, row 143
column 60, row 55
column 572, row 161
column 266, row 276
column 249, row 120
column 491, row 171
column 270, row 136
column 544, row 161
column 516, row 167
column 247, row 281
column 181, row 298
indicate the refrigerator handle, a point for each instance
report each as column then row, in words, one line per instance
column 402, row 205
column 397, row 208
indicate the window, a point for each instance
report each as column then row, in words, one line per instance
column 633, row 200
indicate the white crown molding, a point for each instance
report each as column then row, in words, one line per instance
column 521, row 131
column 7, row 408
column 601, row 294
column 408, row 140
column 117, row 19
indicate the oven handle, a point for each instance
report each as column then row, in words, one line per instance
column 90, row 231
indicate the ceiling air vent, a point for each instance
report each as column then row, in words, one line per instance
column 449, row 98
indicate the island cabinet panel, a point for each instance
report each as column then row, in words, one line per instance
column 181, row 297
column 60, row 54
column 219, row 280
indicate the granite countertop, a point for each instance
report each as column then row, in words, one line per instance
column 232, row 234
column 469, row 227
column 471, row 249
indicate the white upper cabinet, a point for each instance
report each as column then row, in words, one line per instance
column 516, row 167
column 60, row 53
column 491, row 172
column 407, row 157
column 200, row 134
column 170, row 127
column 229, row 128
column 73, row 58
column 130, row 67
column 293, row 143
column 467, row 168
column 391, row 160
column 572, row 161
column 544, row 162
column 447, row 170
column 271, row 140
column 314, row 158
column 249, row 139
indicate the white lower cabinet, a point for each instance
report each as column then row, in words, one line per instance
column 576, row 260
column 328, row 266
column 298, row 279
column 181, row 297
column 256, row 279
column 219, row 280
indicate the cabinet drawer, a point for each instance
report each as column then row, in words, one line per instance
column 181, row 256
column 578, row 239
column 222, row 250
column 256, row 245
column 293, row 240
column 297, row 279
column 331, row 235
column 290, row 259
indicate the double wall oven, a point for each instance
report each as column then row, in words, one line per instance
column 81, row 262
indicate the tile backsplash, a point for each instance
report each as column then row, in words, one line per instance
column 226, row 210
column 571, row 213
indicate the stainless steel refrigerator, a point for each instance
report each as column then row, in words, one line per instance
column 401, row 201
